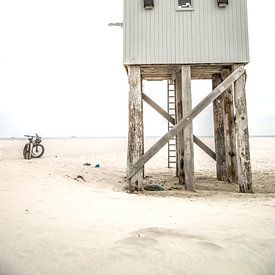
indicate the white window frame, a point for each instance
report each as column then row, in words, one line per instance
column 185, row 9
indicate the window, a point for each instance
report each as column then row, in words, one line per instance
column 222, row 3
column 148, row 4
column 184, row 4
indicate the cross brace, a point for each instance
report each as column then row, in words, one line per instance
column 199, row 143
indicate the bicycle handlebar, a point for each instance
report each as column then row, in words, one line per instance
column 36, row 135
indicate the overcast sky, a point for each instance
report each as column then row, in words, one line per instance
column 61, row 71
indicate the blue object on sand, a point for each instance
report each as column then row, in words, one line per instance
column 97, row 165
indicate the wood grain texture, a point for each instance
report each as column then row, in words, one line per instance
column 242, row 137
column 188, row 145
column 218, row 115
column 229, row 133
column 136, row 131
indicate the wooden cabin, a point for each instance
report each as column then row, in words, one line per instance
column 178, row 41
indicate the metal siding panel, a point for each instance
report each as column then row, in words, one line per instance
column 247, row 57
column 245, row 31
column 173, row 34
column 165, row 36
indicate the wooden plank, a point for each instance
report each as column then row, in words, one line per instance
column 185, row 121
column 180, row 136
column 218, row 115
column 188, row 151
column 229, row 133
column 162, row 112
column 198, row 71
column 136, row 134
column 242, row 137
column 204, row 147
column 155, row 106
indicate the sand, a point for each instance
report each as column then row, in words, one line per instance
column 51, row 223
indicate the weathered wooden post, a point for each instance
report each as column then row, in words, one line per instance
column 224, row 131
column 242, row 137
column 185, row 151
column 229, row 133
column 135, row 135
column 219, row 131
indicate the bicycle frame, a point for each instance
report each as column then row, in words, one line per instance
column 33, row 141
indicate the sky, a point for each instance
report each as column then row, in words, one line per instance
column 61, row 72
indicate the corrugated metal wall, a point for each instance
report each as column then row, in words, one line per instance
column 208, row 34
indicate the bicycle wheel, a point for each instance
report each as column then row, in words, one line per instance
column 37, row 150
column 26, row 151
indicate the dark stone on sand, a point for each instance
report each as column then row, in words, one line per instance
column 153, row 187
column 79, row 178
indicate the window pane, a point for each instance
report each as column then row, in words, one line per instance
column 184, row 3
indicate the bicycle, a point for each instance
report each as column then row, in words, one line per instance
column 34, row 148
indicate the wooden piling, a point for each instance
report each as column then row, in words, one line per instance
column 229, row 133
column 242, row 136
column 185, row 147
column 136, row 130
column 218, row 114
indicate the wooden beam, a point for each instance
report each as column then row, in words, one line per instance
column 204, row 147
column 218, row 115
column 136, row 131
column 185, row 140
column 184, row 121
column 155, row 106
column 179, row 137
column 229, row 133
column 162, row 112
column 242, row 137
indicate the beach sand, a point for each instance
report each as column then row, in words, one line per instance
column 52, row 223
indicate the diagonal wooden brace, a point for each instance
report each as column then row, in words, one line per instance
column 185, row 121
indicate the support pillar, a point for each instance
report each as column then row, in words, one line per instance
column 185, row 147
column 136, row 131
column 242, row 136
column 229, row 133
column 218, row 113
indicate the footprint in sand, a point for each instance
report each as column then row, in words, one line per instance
column 152, row 235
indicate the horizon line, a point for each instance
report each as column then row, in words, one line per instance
column 149, row 136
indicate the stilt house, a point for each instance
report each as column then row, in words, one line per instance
column 178, row 41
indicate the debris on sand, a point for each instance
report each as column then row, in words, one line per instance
column 153, row 187
column 87, row 164
column 80, row 178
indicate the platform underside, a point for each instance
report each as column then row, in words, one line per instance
column 167, row 72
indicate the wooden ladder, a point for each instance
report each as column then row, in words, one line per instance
column 171, row 109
